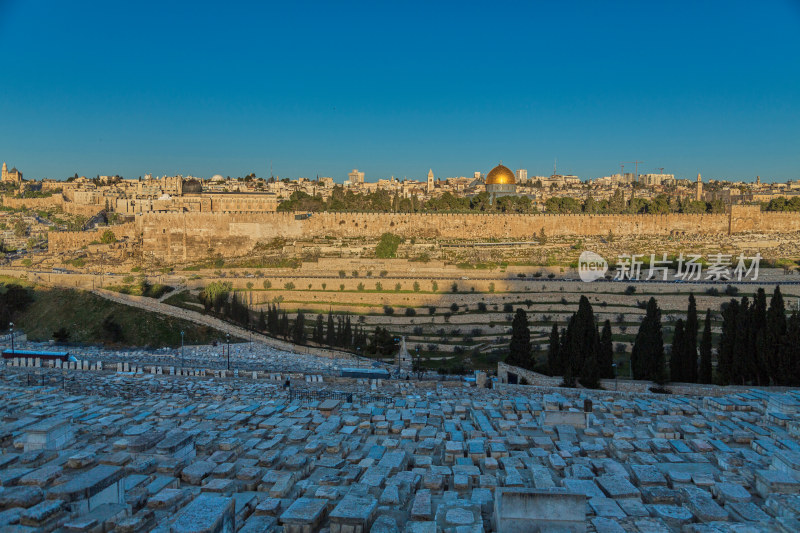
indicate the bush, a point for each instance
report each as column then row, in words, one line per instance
column 387, row 246
column 342, row 273
column 61, row 335
column 431, row 310
column 712, row 291
column 730, row 290
column 418, row 330
column 491, row 287
column 361, row 286
column 537, row 274
column 384, row 273
column 378, row 286
column 482, row 307
column 410, row 311
column 454, row 307
column 267, row 284
column 369, row 273
column 355, row 273
column 630, row 289
column 434, row 286
column 454, row 287
column 521, row 275
column 388, row 310
column 108, row 237
column 397, row 287
column 289, row 286
column 416, row 286
column 477, row 332
column 341, row 286
column 551, row 275
column 508, row 308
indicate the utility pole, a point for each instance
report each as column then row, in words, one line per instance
column 636, row 168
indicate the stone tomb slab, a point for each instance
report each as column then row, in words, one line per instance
column 521, row 510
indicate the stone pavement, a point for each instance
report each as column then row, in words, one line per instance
column 134, row 453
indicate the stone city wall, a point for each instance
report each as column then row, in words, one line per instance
column 57, row 200
column 191, row 236
column 68, row 241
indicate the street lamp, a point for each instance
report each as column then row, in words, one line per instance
column 11, row 328
column 182, row 353
column 228, row 340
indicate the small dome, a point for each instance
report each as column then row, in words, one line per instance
column 500, row 175
column 217, row 177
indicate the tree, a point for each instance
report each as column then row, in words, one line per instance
column 790, row 350
column 776, row 329
column 704, row 375
column 519, row 349
column 262, row 321
column 299, row 333
column 689, row 356
column 727, row 342
column 606, row 358
column 647, row 356
column 319, row 330
column 387, row 246
column 553, row 358
column 676, row 362
column 330, row 335
column 108, row 237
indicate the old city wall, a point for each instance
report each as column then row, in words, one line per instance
column 66, row 241
column 57, row 200
column 190, row 236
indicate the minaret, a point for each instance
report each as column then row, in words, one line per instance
column 698, row 195
column 5, row 172
column 430, row 181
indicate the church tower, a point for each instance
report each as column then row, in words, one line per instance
column 5, row 172
column 698, row 194
column 430, row 181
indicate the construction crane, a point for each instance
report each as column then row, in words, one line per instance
column 636, row 168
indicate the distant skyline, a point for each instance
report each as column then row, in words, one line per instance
column 393, row 88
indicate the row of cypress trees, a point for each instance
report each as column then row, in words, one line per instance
column 759, row 345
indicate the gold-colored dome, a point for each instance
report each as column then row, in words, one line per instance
column 500, row 175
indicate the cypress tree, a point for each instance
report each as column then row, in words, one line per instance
column 606, row 352
column 566, row 364
column 319, row 330
column 727, row 343
column 704, row 375
column 553, row 358
column 331, row 332
column 690, row 343
column 285, row 325
column 776, row 329
column 742, row 348
column 676, row 363
column 348, row 333
column 299, row 333
column 757, row 362
column 519, row 349
column 647, row 357
column 790, row 351
column 262, row 321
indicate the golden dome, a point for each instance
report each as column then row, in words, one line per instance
column 500, row 175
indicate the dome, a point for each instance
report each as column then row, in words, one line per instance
column 217, row 177
column 500, row 175
column 192, row 186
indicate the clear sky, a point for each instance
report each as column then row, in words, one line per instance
column 395, row 88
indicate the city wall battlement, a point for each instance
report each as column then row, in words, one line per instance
column 191, row 236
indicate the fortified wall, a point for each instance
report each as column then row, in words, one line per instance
column 68, row 241
column 191, row 236
column 57, row 200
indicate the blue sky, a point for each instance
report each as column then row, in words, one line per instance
column 395, row 88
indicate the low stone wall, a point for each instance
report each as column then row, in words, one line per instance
column 70, row 241
column 627, row 386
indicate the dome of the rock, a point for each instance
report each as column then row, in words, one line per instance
column 500, row 175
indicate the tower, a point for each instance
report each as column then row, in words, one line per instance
column 430, row 181
column 5, row 172
column 698, row 193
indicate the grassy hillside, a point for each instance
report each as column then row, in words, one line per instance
column 91, row 319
